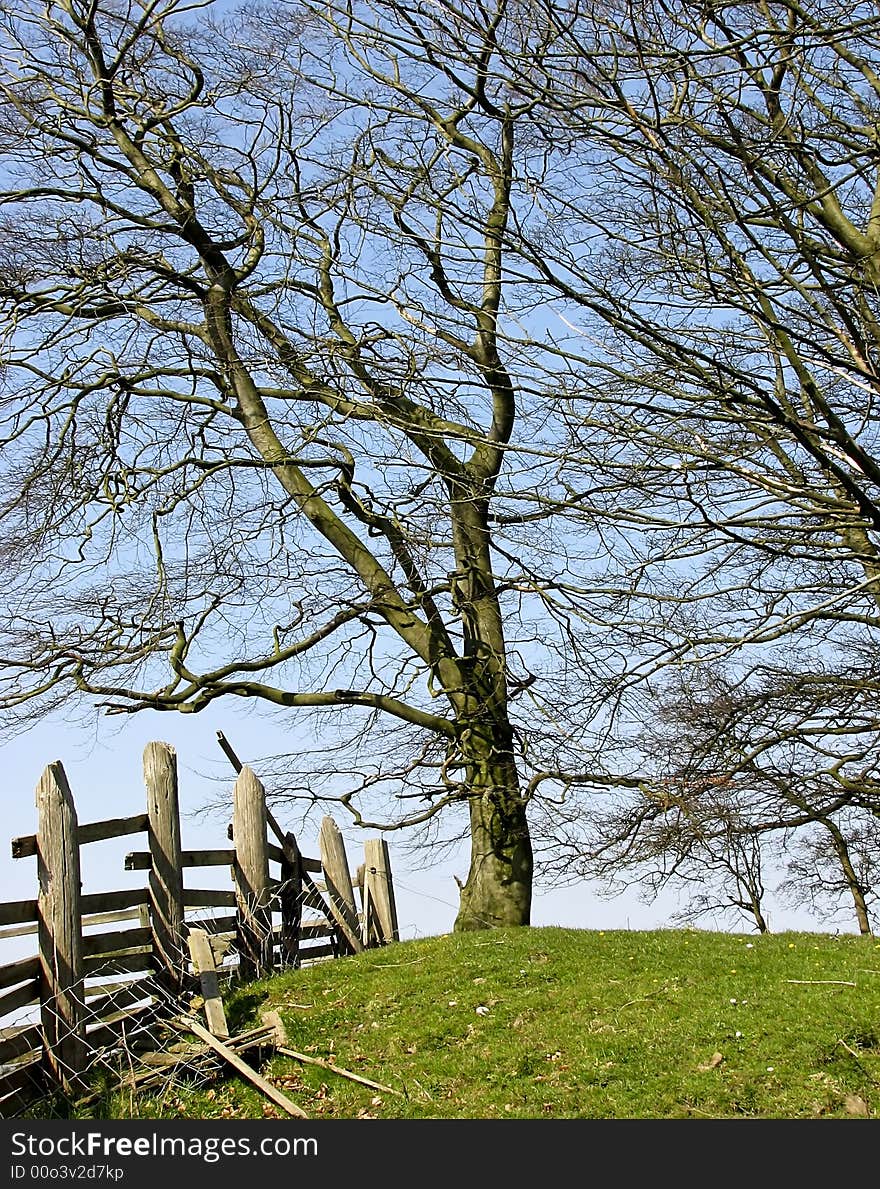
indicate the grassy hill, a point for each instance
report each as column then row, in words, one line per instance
column 558, row 1023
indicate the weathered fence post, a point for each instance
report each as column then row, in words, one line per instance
column 166, row 872
column 291, row 901
column 378, row 889
column 337, row 878
column 59, row 915
column 252, row 875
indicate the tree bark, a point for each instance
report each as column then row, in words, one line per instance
column 498, row 890
column 852, row 880
column 760, row 920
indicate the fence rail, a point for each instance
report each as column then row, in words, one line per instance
column 108, row 963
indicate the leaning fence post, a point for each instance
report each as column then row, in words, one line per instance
column 59, row 915
column 166, row 872
column 379, row 889
column 337, row 879
column 253, row 890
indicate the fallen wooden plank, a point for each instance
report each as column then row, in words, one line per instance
column 187, row 1024
column 337, row 1069
column 272, row 1019
column 205, row 967
column 183, row 1057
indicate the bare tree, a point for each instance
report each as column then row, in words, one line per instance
column 834, row 863
column 712, row 237
column 273, row 426
column 754, row 781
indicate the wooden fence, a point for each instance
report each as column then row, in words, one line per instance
column 109, row 963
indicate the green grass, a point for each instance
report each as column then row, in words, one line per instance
column 579, row 1024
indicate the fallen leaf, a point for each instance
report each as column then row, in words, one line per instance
column 713, row 1062
column 854, row 1104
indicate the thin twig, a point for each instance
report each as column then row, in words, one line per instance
column 858, row 1060
column 820, row 982
column 641, row 998
column 343, row 1073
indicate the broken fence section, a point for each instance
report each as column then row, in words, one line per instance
column 110, row 964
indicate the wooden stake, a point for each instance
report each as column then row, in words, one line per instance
column 166, row 870
column 252, row 875
column 59, row 912
column 367, row 910
column 242, row 1067
column 337, row 877
column 206, row 968
column 377, row 878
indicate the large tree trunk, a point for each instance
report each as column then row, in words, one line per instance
column 498, row 890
